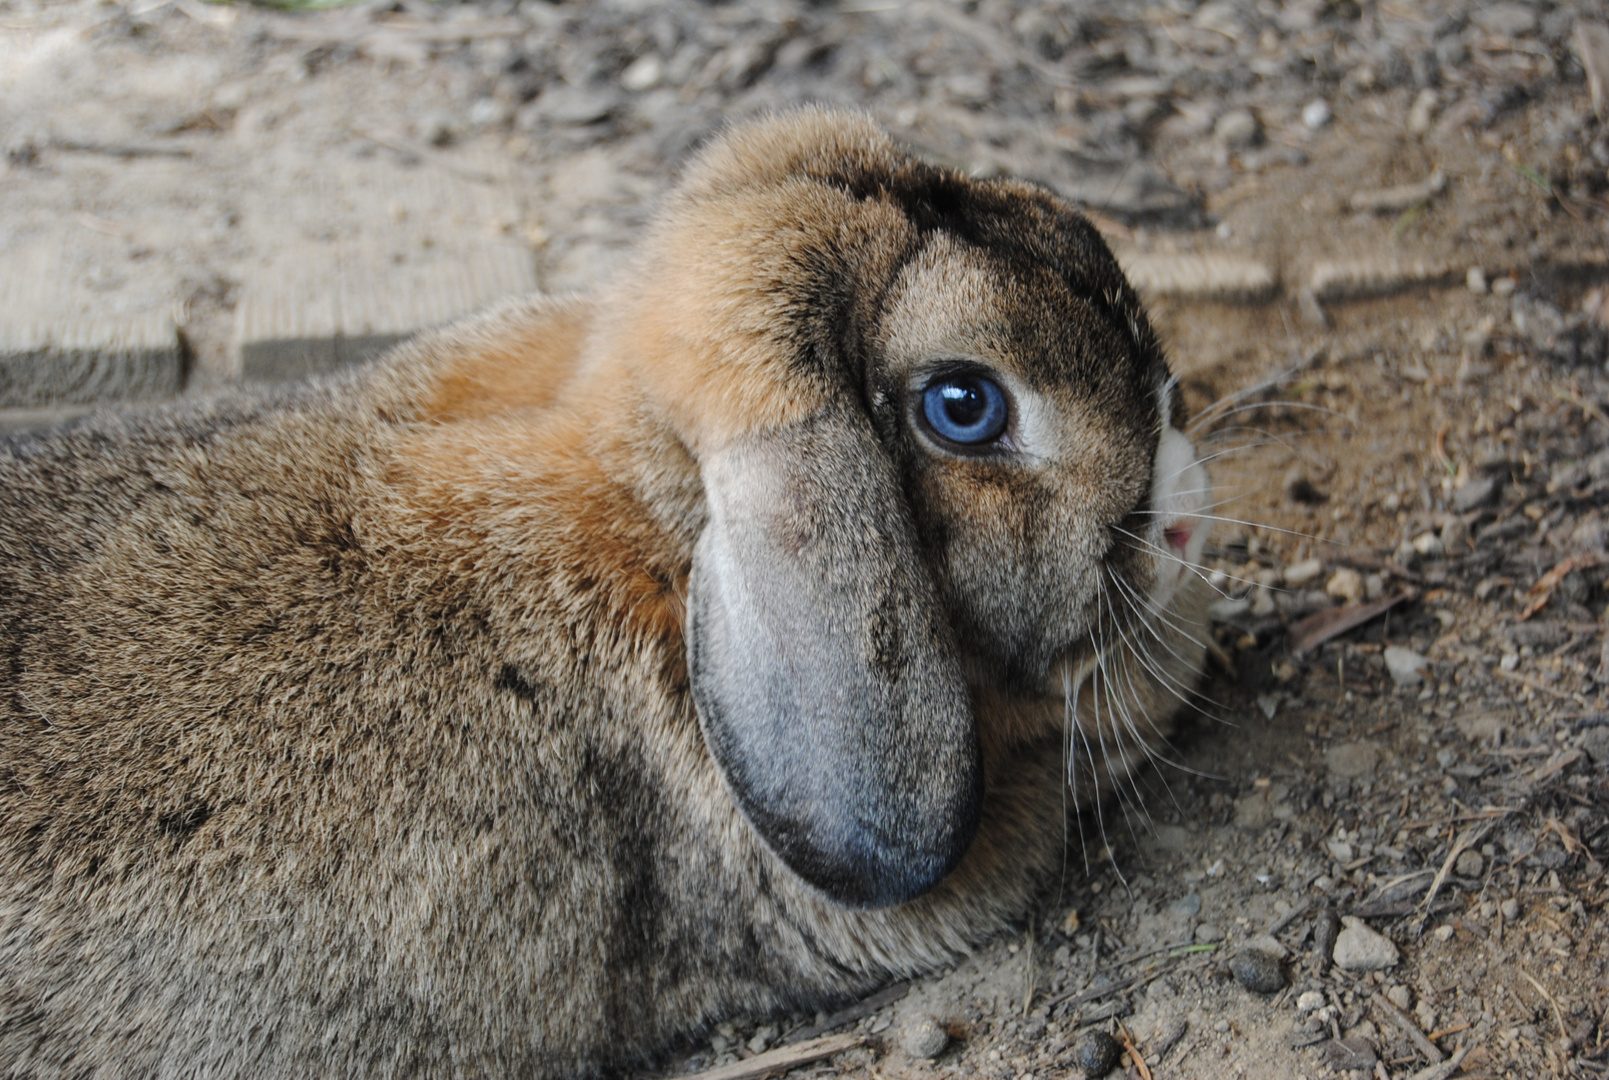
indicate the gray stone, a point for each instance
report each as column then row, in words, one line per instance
column 1165, row 1034
column 1352, row 761
column 1596, row 743
column 1405, row 665
column 1207, row 933
column 1315, row 114
column 1351, row 1054
column 1510, row 20
column 1475, row 494
column 924, row 1037
column 1359, row 948
column 1186, row 906
column 762, row 1038
column 1238, row 129
column 1253, row 811
column 1469, row 864
column 569, row 105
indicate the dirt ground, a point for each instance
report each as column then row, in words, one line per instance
column 1406, row 725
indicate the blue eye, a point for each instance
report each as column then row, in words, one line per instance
column 966, row 409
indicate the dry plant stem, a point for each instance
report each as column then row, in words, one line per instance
column 1558, row 1013
column 1134, row 1052
column 1470, row 837
column 1539, row 686
column 1429, row 1049
column 1315, row 630
column 1446, row 1068
column 782, row 1058
column 1446, row 1031
column 1121, row 984
column 848, row 1015
column 1542, row 591
column 1289, row 917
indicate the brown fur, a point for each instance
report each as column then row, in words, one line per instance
column 348, row 729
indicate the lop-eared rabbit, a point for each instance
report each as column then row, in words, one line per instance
column 594, row 668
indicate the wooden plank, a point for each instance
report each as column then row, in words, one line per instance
column 1199, row 277
column 62, row 344
column 357, row 273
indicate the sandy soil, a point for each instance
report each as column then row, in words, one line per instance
column 1437, row 774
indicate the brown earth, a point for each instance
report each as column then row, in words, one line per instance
column 1427, row 441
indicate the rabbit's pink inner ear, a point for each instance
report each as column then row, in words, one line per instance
column 826, row 680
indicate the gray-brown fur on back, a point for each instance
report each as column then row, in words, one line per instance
column 349, row 729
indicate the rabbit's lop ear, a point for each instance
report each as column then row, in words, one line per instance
column 826, row 683
column 825, row 675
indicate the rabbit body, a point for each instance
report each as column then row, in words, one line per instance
column 399, row 723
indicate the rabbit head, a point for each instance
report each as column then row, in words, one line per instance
column 938, row 446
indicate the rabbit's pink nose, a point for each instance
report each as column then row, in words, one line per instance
column 1178, row 536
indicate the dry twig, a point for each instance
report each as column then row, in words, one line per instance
column 782, row 1058
column 1431, row 1051
column 1471, row 836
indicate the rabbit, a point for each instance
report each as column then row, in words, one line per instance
column 585, row 672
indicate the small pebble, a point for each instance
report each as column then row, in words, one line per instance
column 1475, row 494
column 1207, row 933
column 924, row 1037
column 1258, row 972
column 1423, row 111
column 1504, row 286
column 1469, row 864
column 644, row 73
column 1186, row 906
column 1455, row 534
column 762, row 1038
column 1475, row 280
column 1238, row 129
column 1399, row 995
column 1505, row 18
column 1429, row 545
column 1316, row 113
column 1510, row 909
column 1406, row 666
column 1359, row 948
column 1443, row 933
column 1309, row 1000
column 1096, row 1053
column 1303, row 572
column 1345, row 584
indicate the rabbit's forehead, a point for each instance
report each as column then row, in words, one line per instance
column 953, row 302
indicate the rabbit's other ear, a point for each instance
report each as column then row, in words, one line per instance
column 826, row 681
